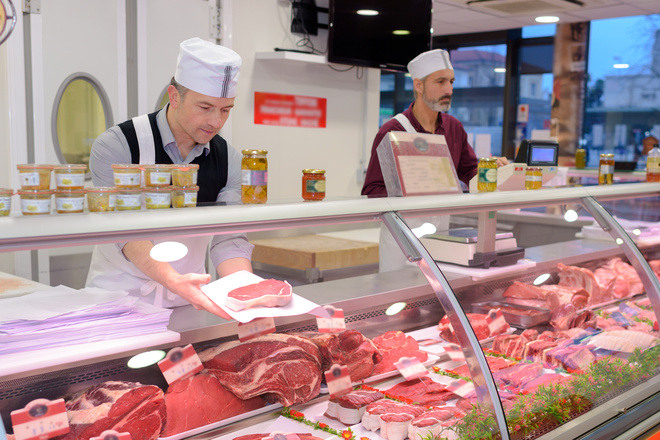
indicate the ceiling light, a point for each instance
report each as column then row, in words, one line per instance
column 541, row 279
column 499, row 70
column 547, row 19
column 621, row 66
column 145, row 359
column 401, row 32
column 395, row 308
column 168, row 251
column 368, row 12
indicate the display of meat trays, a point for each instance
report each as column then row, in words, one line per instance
column 516, row 315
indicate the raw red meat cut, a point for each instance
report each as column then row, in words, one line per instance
column 581, row 277
column 349, row 408
column 518, row 375
column 374, row 411
column 429, row 424
column 394, row 345
column 546, row 296
column 274, row 436
column 266, row 293
column 477, row 321
column 423, row 391
column 282, row 368
column 514, row 345
column 534, row 351
column 395, row 426
column 545, row 380
column 628, row 273
column 348, row 347
column 201, row 400
column 568, row 356
column 495, row 364
column 120, row 406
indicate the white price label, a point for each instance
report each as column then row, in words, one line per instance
column 41, row 419
column 113, row 435
column 455, row 352
column 461, row 388
column 180, row 363
column 256, row 327
column 410, row 368
column 496, row 322
column 338, row 380
column 334, row 322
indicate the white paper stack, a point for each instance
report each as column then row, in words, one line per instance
column 62, row 317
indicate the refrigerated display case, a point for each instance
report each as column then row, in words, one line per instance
column 428, row 290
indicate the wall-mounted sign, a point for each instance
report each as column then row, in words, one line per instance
column 289, row 110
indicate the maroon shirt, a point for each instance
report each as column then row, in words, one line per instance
column 462, row 154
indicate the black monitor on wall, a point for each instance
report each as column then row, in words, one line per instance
column 399, row 31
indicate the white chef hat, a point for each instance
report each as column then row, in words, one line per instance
column 208, row 68
column 429, row 62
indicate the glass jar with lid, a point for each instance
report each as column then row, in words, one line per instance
column 313, row 184
column 606, row 169
column 487, row 174
column 533, row 177
column 254, row 176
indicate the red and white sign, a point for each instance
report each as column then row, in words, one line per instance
column 113, row 435
column 496, row 322
column 256, row 327
column 454, row 352
column 410, row 368
column 332, row 324
column 338, row 380
column 523, row 113
column 41, row 419
column 180, row 363
column 289, row 110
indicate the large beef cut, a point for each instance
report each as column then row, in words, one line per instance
column 423, row 391
column 349, row 408
column 282, row 368
column 266, row 293
column 547, row 296
column 518, row 375
column 394, row 345
column 574, row 276
column 201, row 400
column 430, row 423
column 120, row 406
column 348, row 347
column 495, row 363
column 371, row 419
column 478, row 323
column 570, row 356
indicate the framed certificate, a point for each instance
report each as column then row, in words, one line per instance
column 416, row 164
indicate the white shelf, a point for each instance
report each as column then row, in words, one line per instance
column 292, row 56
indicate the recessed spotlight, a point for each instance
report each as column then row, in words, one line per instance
column 367, row 12
column 401, row 32
column 546, row 19
column 499, row 70
column 145, row 359
column 621, row 66
column 395, row 308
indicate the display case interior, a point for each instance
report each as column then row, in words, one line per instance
column 579, row 303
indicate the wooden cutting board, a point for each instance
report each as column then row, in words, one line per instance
column 307, row 251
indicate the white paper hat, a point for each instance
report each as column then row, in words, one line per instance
column 428, row 62
column 208, row 68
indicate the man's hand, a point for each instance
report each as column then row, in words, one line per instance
column 189, row 287
column 501, row 161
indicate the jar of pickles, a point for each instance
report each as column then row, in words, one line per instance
column 533, row 177
column 487, row 174
column 580, row 158
column 254, row 176
column 70, row 176
column 313, row 184
column 606, row 169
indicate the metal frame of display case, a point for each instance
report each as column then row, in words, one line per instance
column 39, row 232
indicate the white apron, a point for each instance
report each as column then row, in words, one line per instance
column 390, row 255
column 111, row 270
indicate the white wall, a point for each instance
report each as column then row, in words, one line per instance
column 352, row 105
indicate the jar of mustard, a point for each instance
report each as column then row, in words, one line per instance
column 34, row 176
column 313, row 184
column 254, row 176
column 70, row 176
column 606, row 169
column 533, row 177
column 487, row 174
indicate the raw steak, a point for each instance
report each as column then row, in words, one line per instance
column 394, row 345
column 395, row 426
column 423, row 391
column 429, row 424
column 495, row 364
column 477, row 321
column 348, row 347
column 566, row 317
column 573, row 357
column 374, row 411
column 628, row 273
column 547, row 296
column 535, row 350
column 201, row 400
column 282, row 368
column 120, row 406
column 518, row 375
column 513, row 345
column 266, row 293
column 545, row 380
column 350, row 407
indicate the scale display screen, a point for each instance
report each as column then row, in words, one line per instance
column 538, row 153
column 542, row 155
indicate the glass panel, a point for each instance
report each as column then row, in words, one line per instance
column 536, row 90
column 396, row 94
column 80, row 119
column 479, row 92
column 541, row 30
column 623, row 89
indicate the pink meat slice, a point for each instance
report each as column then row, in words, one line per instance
column 266, row 293
column 394, row 345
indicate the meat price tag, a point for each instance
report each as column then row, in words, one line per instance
column 41, row 419
column 113, row 435
column 281, row 436
column 334, row 323
column 338, row 380
column 410, row 368
column 455, row 352
column 496, row 322
column 254, row 328
column 180, row 363
column 461, row 388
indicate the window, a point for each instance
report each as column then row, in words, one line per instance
column 82, row 112
column 623, row 88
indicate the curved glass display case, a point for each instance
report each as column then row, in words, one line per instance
column 570, row 270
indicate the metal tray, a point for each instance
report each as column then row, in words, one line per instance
column 534, row 315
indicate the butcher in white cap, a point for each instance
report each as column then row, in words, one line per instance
column 185, row 131
column 433, row 77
